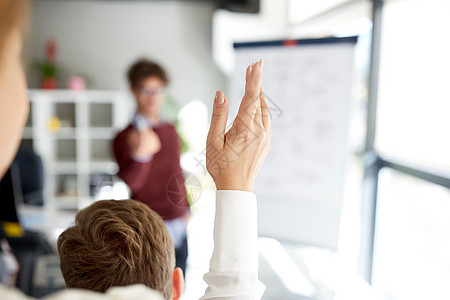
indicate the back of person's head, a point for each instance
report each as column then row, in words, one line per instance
column 13, row 15
column 143, row 69
column 117, row 243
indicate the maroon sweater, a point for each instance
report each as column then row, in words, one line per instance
column 158, row 183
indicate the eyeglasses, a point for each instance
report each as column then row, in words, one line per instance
column 147, row 93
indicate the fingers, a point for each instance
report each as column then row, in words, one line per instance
column 258, row 118
column 249, row 72
column 218, row 120
column 250, row 101
column 265, row 111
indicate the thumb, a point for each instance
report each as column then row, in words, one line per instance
column 218, row 120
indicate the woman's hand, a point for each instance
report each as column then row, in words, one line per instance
column 233, row 159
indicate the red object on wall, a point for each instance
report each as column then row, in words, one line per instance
column 51, row 50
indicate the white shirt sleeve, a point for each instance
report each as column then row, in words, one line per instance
column 234, row 264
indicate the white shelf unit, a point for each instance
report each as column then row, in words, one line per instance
column 81, row 146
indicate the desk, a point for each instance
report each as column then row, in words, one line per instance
column 304, row 270
column 49, row 222
column 40, row 273
column 298, row 272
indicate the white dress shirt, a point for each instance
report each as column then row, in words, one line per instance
column 234, row 264
column 233, row 270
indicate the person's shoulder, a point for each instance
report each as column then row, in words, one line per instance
column 168, row 127
column 166, row 124
column 137, row 291
column 12, row 293
column 124, row 132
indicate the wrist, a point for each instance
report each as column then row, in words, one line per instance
column 236, row 186
column 141, row 151
column 139, row 157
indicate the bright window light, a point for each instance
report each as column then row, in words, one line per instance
column 285, row 267
column 412, row 242
column 414, row 107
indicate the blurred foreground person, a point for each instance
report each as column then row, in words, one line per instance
column 14, row 105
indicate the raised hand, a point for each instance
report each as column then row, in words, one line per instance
column 234, row 158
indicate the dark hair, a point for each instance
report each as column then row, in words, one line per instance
column 145, row 68
column 117, row 243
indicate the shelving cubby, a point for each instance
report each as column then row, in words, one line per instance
column 72, row 131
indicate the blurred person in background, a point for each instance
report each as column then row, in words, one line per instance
column 148, row 153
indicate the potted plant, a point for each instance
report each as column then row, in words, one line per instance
column 48, row 68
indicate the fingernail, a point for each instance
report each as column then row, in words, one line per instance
column 261, row 64
column 219, row 98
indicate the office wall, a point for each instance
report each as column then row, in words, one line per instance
column 102, row 38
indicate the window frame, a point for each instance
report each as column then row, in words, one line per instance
column 373, row 161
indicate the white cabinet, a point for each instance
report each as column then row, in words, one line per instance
column 72, row 131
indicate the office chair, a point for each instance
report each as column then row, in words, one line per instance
column 29, row 246
column 31, row 176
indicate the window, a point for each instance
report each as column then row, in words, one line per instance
column 412, row 240
column 412, row 244
column 414, row 100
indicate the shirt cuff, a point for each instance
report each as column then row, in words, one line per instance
column 141, row 158
column 235, row 232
